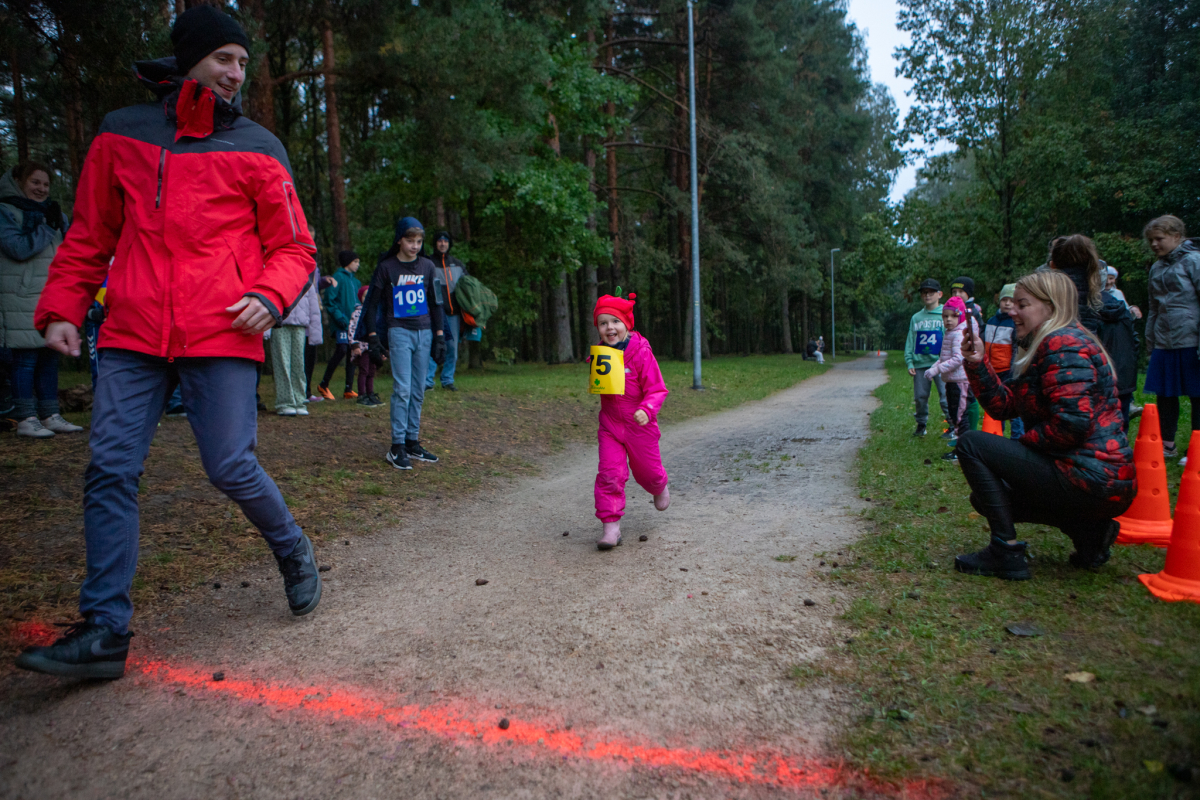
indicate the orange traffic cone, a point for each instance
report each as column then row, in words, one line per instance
column 1148, row 520
column 1180, row 578
column 992, row 425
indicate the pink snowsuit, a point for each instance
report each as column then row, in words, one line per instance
column 621, row 437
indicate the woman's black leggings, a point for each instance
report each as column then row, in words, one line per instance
column 1013, row 483
column 1168, row 415
column 341, row 351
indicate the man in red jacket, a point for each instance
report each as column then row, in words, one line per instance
column 196, row 208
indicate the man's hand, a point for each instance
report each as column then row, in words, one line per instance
column 63, row 337
column 254, row 317
column 641, row 417
column 912, row 371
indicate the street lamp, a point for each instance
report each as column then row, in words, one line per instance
column 832, row 308
column 695, row 202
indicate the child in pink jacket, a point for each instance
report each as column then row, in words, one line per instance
column 628, row 422
column 950, row 366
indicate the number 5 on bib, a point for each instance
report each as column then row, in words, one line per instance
column 608, row 371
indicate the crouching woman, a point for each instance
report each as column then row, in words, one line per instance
column 1073, row 468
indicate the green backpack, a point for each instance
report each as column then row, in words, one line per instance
column 477, row 302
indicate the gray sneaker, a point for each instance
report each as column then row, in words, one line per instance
column 34, row 429
column 56, row 423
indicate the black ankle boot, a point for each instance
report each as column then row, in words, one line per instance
column 1097, row 550
column 998, row 560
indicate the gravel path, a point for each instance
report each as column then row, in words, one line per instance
column 659, row 669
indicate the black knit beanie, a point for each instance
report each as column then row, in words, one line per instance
column 346, row 257
column 201, row 30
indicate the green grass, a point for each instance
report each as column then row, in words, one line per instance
column 944, row 689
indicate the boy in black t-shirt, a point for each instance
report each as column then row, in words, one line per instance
column 403, row 283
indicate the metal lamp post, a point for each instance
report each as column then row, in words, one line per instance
column 695, row 202
column 832, row 308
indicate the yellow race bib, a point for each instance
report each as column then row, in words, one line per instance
column 607, row 375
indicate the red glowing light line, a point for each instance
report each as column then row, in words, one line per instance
column 348, row 703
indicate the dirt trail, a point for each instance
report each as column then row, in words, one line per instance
column 658, row 649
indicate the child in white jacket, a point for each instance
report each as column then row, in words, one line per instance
column 950, row 367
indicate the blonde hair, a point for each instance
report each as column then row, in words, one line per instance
column 1168, row 224
column 1057, row 290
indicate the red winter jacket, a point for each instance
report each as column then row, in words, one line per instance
column 196, row 207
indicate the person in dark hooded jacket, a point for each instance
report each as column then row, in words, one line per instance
column 1100, row 311
column 447, row 271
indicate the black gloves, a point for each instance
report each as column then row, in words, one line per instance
column 374, row 350
column 438, row 351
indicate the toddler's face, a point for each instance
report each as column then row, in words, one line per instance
column 949, row 319
column 1007, row 305
column 612, row 330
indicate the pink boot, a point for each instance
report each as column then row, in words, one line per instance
column 611, row 537
column 663, row 501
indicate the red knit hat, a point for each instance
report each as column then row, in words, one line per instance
column 621, row 309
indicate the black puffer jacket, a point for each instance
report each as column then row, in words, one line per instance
column 1113, row 325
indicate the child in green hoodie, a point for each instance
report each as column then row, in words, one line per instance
column 921, row 350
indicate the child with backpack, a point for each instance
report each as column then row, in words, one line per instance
column 628, row 434
column 1000, row 346
column 362, row 359
column 955, row 319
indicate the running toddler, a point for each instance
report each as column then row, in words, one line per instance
column 628, row 422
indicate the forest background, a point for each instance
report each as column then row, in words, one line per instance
column 550, row 138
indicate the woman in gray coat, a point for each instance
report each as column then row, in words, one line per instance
column 32, row 227
column 1173, row 325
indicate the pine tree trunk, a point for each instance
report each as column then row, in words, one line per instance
column 20, row 126
column 76, row 146
column 785, row 319
column 562, row 320
column 337, row 184
column 439, row 208
column 260, row 94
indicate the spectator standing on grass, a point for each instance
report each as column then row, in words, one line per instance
column 963, row 287
column 1100, row 311
column 341, row 300
column 358, row 353
column 300, row 329
column 921, row 351
column 1173, row 325
column 447, row 271
column 403, row 286
column 1000, row 345
column 183, row 307
column 956, row 320
column 1073, row 469
column 32, row 227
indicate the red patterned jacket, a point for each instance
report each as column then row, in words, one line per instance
column 1067, row 397
column 196, row 207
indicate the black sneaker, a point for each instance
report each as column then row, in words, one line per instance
column 920, row 431
column 376, row 400
column 301, row 580
column 420, row 453
column 1093, row 557
column 998, row 560
column 364, row 400
column 449, row 387
column 952, row 456
column 398, row 457
column 948, row 434
column 86, row 650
